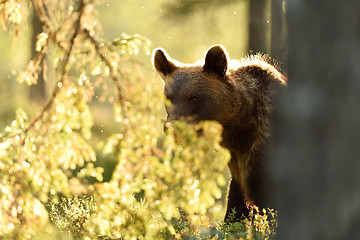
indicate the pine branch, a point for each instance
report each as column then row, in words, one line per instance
column 60, row 82
column 101, row 54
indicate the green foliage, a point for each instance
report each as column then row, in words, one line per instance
column 51, row 183
column 71, row 215
column 13, row 13
column 132, row 43
column 156, row 175
column 258, row 225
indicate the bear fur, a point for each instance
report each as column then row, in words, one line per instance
column 240, row 96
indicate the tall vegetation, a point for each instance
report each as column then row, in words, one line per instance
column 51, row 179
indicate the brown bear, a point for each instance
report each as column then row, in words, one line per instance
column 240, row 96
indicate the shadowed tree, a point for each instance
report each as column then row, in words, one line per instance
column 315, row 163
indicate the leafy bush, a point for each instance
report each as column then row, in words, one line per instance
column 51, row 180
column 71, row 216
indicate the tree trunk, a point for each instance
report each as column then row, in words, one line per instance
column 257, row 27
column 315, row 163
column 278, row 45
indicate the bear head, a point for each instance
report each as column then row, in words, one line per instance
column 197, row 92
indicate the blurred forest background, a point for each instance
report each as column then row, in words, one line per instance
column 82, row 151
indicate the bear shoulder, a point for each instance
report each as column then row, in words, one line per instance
column 259, row 67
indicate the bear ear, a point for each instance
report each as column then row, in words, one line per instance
column 162, row 63
column 216, row 60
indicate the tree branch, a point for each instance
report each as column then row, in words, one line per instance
column 100, row 53
column 60, row 82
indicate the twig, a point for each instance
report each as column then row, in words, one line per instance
column 96, row 44
column 41, row 13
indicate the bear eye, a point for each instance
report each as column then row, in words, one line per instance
column 193, row 99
